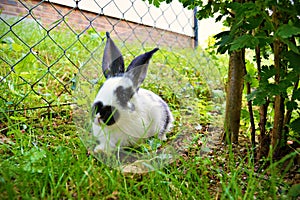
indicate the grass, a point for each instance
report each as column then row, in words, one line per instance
column 47, row 160
column 43, row 157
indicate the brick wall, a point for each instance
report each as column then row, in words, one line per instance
column 48, row 14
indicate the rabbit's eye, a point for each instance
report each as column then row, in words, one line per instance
column 124, row 95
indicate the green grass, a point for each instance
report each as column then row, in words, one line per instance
column 47, row 160
column 42, row 156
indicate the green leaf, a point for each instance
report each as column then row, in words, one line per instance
column 264, row 40
column 284, row 84
column 250, row 96
column 294, row 60
column 222, row 34
column 267, row 72
column 253, row 23
column 294, row 191
column 259, row 101
column 248, row 78
column 257, row 96
column 250, row 68
column 296, row 94
column 224, row 40
column 291, row 45
column 251, row 79
column 35, row 163
column 274, row 89
column 295, row 125
column 244, row 41
column 25, row 66
column 292, row 76
column 291, row 105
column 287, row 30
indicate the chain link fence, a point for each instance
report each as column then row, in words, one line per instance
column 46, row 45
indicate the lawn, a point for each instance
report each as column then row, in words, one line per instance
column 43, row 152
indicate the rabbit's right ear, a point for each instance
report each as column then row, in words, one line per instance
column 137, row 70
column 112, row 62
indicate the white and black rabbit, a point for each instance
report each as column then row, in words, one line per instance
column 123, row 113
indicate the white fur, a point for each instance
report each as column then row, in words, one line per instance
column 145, row 119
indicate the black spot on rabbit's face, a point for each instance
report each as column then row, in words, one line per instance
column 124, row 95
column 108, row 114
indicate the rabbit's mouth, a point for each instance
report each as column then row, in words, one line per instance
column 107, row 115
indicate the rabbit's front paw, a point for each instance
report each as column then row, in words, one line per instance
column 103, row 146
column 162, row 136
column 99, row 148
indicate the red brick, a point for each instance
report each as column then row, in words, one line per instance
column 80, row 20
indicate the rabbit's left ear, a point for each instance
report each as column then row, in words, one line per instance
column 113, row 62
column 137, row 70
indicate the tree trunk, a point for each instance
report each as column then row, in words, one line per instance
column 276, row 139
column 288, row 115
column 264, row 139
column 234, row 91
column 250, row 110
column 278, row 104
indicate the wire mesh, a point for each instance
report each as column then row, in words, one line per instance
column 44, row 45
column 51, row 58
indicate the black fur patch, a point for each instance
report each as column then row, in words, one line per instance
column 108, row 114
column 124, row 95
column 167, row 119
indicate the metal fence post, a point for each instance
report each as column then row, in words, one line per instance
column 195, row 28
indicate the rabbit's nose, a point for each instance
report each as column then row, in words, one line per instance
column 100, row 121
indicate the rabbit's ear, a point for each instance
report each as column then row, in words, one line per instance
column 137, row 70
column 112, row 63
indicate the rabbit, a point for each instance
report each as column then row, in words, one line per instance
column 124, row 113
